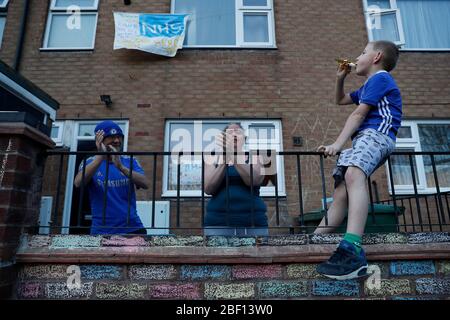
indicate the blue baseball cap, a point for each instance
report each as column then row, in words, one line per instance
column 110, row 128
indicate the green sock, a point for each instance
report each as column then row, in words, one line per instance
column 355, row 240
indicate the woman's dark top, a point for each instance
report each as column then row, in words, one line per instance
column 239, row 204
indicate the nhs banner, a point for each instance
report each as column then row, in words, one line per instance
column 156, row 33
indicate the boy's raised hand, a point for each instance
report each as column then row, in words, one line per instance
column 330, row 150
column 343, row 71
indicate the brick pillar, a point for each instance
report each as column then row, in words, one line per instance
column 21, row 172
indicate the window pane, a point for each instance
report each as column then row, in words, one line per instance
column 404, row 133
column 260, row 3
column 385, row 27
column 265, row 132
column 426, row 23
column 382, row 4
column 401, row 168
column 54, row 132
column 211, row 22
column 80, row 3
column 64, row 34
column 86, row 130
column 3, row 3
column 256, row 28
column 189, row 137
column 436, row 137
column 263, row 137
column 2, row 28
column 190, row 175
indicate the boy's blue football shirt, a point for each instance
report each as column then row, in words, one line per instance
column 116, row 212
column 381, row 93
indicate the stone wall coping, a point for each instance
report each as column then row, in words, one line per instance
column 200, row 250
column 15, row 128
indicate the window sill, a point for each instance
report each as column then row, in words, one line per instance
column 174, row 196
column 420, row 192
column 66, row 49
column 230, row 48
column 424, row 50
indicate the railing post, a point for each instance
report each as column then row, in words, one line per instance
column 416, row 195
column 277, row 200
column 324, row 191
column 372, row 210
column 203, row 190
column 155, row 155
column 80, row 204
column 227, row 192
column 178, row 188
column 375, row 188
column 300, row 190
column 446, row 201
column 428, row 214
column 251, row 189
column 106, row 191
column 130, row 186
column 391, row 180
column 438, row 215
column 438, row 189
column 58, row 191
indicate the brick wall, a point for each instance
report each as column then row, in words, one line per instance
column 21, row 169
column 407, row 267
column 401, row 280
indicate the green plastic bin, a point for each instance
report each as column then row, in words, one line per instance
column 385, row 220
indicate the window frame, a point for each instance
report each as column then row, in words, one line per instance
column 393, row 9
column 54, row 7
column 394, row 6
column 4, row 6
column 414, row 143
column 59, row 139
column 53, row 11
column 245, row 122
column 2, row 16
column 240, row 10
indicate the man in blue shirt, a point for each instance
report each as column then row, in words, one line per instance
column 373, row 127
column 118, row 218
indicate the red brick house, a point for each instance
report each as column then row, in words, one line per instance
column 268, row 64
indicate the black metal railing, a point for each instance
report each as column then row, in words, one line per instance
column 412, row 212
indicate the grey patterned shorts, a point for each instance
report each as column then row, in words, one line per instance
column 370, row 149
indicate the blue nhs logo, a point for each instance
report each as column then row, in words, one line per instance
column 161, row 25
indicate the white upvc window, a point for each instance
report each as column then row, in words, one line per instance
column 228, row 23
column 71, row 25
column 3, row 8
column 3, row 4
column 199, row 135
column 415, row 25
column 383, row 21
column 57, row 133
column 421, row 136
column 2, row 26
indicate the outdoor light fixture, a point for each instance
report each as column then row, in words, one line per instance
column 106, row 99
column 127, row 2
